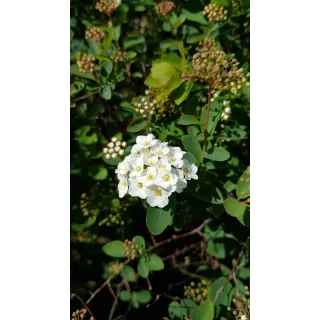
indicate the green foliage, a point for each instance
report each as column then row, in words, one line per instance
column 146, row 51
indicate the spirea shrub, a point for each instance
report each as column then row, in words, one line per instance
column 153, row 171
column 160, row 159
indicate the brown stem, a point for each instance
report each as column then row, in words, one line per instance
column 87, row 95
column 181, row 236
column 104, row 284
column 234, row 269
column 85, row 306
column 206, row 127
column 180, row 252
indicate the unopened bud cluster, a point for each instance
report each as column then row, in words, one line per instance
column 131, row 249
column 95, row 34
column 107, row 6
column 148, row 105
column 144, row 106
column 85, row 63
column 82, row 237
column 115, row 267
column 197, row 292
column 241, row 309
column 112, row 220
column 116, row 55
column 164, row 8
column 114, row 148
column 215, row 13
column 227, row 111
column 85, row 206
column 80, row 314
column 212, row 65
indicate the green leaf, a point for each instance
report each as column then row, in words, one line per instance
column 117, row 32
column 184, row 91
column 217, row 154
column 134, row 301
column 190, row 157
column 142, row 268
column 143, row 296
column 175, row 311
column 162, row 71
column 76, row 87
column 244, row 218
column 159, row 218
column 140, row 242
column 152, row 83
column 195, row 17
column 244, row 273
column 125, row 105
column 115, row 249
column 195, row 38
column 216, row 249
column 128, row 274
column 130, row 55
column 74, row 70
column 129, row 43
column 154, row 262
column 187, row 119
column 234, row 207
column 203, row 312
column 193, row 146
column 169, row 44
column 125, row 296
column 107, row 66
column 225, row 296
column 207, row 193
column 137, row 124
column 188, row 306
column 243, row 185
column 98, row 172
column 105, row 92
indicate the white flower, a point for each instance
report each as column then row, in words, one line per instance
column 150, row 174
column 122, row 186
column 165, row 179
column 163, row 163
column 174, row 157
column 157, row 196
column 182, row 182
column 189, row 170
column 137, row 187
column 137, row 167
column 146, row 141
column 114, row 139
column 227, row 109
column 123, row 168
column 159, row 149
column 150, row 160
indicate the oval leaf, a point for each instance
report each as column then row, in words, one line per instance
column 143, row 296
column 142, row 268
column 187, row 119
column 137, row 124
column 158, row 219
column 154, row 262
column 115, row 249
column 217, row 154
column 125, row 295
column 192, row 145
column 203, row 312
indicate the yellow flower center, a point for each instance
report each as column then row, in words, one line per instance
column 139, row 168
column 172, row 159
column 150, row 176
column 146, row 143
column 124, row 183
column 140, row 185
column 158, row 192
column 159, row 154
column 161, row 166
column 166, row 178
column 186, row 170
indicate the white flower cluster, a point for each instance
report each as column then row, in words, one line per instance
column 153, row 171
column 114, row 148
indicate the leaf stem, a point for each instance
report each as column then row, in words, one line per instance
column 206, row 128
